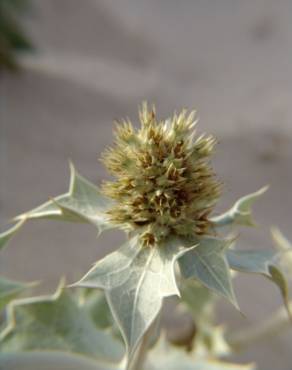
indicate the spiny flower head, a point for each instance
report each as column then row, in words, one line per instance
column 164, row 184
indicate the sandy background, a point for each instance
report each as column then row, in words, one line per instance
column 96, row 61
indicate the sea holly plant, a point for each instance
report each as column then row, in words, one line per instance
column 10, row 289
column 163, row 195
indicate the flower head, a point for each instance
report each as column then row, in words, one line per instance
column 164, row 184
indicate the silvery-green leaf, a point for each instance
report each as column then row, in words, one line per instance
column 207, row 264
column 55, row 323
column 285, row 247
column 260, row 262
column 83, row 203
column 165, row 356
column 198, row 300
column 252, row 261
column 10, row 290
column 280, row 240
column 51, row 360
column 211, row 342
column 241, row 212
column 7, row 235
column 136, row 279
column 94, row 302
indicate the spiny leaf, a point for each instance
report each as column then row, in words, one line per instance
column 260, row 262
column 55, row 323
column 10, row 290
column 211, row 342
column 241, row 212
column 251, row 261
column 280, row 240
column 50, row 360
column 285, row 247
column 200, row 303
column 95, row 304
column 198, row 300
column 7, row 235
column 207, row 264
column 83, row 203
column 167, row 357
column 136, row 279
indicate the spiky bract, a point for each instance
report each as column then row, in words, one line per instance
column 164, row 183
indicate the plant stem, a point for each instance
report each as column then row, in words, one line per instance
column 276, row 323
column 141, row 353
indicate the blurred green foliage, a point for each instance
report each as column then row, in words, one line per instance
column 13, row 39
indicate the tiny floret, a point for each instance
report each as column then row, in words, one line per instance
column 164, row 184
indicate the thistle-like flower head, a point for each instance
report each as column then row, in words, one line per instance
column 164, row 184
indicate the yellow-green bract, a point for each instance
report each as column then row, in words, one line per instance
column 164, row 185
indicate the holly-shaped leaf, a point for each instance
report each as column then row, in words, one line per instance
column 251, row 261
column 56, row 323
column 263, row 262
column 10, row 290
column 6, row 236
column 165, row 356
column 200, row 301
column 281, row 242
column 82, row 203
column 285, row 247
column 207, row 264
column 241, row 212
column 136, row 279
column 211, row 342
column 94, row 302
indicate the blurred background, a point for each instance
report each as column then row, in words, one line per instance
column 95, row 61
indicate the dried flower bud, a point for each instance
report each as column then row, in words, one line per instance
column 164, row 184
